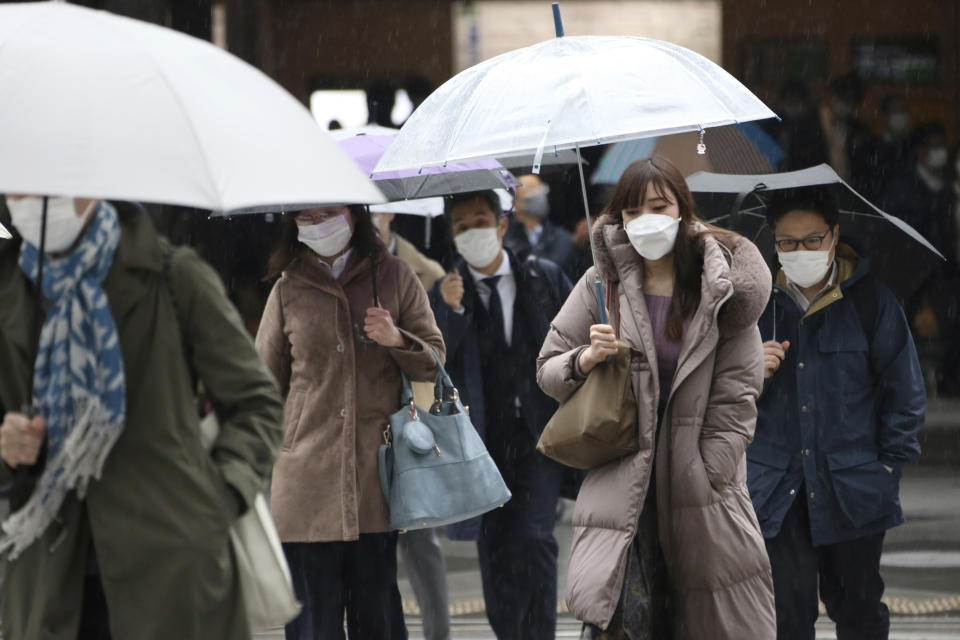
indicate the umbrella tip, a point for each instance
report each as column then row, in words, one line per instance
column 557, row 20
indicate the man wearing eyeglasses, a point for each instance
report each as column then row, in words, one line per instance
column 838, row 417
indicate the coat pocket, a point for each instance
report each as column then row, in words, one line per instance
column 294, row 410
column 765, row 472
column 863, row 487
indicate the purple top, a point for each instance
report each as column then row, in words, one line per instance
column 668, row 351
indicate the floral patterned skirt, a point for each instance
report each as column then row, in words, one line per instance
column 644, row 611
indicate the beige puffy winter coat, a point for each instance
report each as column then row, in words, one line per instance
column 717, row 564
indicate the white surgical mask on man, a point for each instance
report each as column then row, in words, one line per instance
column 806, row 268
column 898, row 122
column 479, row 247
column 64, row 226
column 327, row 238
column 653, row 234
column 937, row 157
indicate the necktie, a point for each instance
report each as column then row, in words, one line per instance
column 495, row 307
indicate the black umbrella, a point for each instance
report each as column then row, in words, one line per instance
column 899, row 255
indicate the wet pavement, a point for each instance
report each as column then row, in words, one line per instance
column 921, row 565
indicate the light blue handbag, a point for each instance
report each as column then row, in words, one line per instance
column 434, row 468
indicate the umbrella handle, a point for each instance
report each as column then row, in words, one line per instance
column 598, row 289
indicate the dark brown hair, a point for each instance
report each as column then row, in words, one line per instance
column 669, row 183
column 363, row 241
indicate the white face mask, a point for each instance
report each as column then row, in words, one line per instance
column 653, row 234
column 898, row 122
column 327, row 238
column 63, row 224
column 479, row 247
column 937, row 157
column 805, row 268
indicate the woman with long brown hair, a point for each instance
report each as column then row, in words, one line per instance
column 344, row 319
column 666, row 543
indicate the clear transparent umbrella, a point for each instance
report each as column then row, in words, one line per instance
column 568, row 93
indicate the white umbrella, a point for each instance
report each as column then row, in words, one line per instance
column 4, row 234
column 98, row 105
column 568, row 93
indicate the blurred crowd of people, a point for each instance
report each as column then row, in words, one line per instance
column 908, row 169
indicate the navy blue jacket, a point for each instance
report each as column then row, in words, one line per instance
column 460, row 334
column 841, row 416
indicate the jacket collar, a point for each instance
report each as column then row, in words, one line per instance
column 139, row 250
column 850, row 269
column 307, row 268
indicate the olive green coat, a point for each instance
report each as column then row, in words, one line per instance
column 159, row 517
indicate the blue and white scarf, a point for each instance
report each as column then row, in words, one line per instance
column 79, row 385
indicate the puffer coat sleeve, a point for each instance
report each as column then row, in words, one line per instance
column 557, row 371
column 731, row 414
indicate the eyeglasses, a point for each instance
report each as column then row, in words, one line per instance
column 810, row 243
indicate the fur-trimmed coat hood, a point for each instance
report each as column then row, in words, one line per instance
column 727, row 258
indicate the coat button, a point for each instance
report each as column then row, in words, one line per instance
column 800, row 365
column 793, row 492
column 806, row 452
column 812, row 495
column 343, row 413
column 339, row 348
column 803, row 409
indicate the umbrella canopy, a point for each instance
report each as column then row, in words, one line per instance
column 98, row 105
column 567, row 93
column 899, row 255
column 554, row 157
column 367, row 145
column 730, row 150
column 570, row 92
column 432, row 207
column 4, row 234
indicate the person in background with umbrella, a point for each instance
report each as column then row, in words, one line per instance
column 531, row 232
column 494, row 312
column 125, row 531
column 666, row 545
column 342, row 321
column 921, row 194
column 838, row 418
column 420, row 548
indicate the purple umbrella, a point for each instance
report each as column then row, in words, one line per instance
column 366, row 145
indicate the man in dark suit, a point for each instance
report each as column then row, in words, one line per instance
column 494, row 312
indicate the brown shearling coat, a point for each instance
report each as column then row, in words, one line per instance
column 340, row 390
column 717, row 564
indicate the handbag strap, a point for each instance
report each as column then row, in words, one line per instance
column 444, row 383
